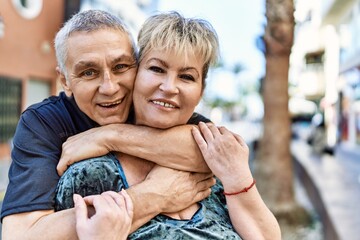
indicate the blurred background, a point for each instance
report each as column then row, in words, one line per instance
column 288, row 82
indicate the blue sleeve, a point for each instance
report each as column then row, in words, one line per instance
column 89, row 177
column 196, row 118
column 32, row 173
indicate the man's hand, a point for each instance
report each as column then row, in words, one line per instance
column 180, row 189
column 90, row 143
column 111, row 220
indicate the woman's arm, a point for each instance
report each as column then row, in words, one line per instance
column 227, row 156
column 173, row 147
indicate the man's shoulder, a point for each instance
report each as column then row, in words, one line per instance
column 196, row 118
column 51, row 108
column 50, row 103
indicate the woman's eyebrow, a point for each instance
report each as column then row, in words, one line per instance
column 157, row 60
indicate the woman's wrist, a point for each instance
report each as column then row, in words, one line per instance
column 235, row 183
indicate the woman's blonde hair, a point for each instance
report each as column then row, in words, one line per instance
column 173, row 32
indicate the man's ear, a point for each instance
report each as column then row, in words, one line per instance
column 64, row 82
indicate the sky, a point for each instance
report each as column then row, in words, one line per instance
column 238, row 24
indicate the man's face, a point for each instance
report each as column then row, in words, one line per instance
column 100, row 75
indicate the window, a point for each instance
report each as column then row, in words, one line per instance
column 37, row 91
column 10, row 107
column 28, row 8
column 314, row 61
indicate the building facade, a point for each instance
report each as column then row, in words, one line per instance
column 325, row 65
column 27, row 58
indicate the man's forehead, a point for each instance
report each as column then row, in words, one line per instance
column 92, row 61
column 88, row 48
column 85, row 39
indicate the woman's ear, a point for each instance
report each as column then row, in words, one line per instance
column 64, row 82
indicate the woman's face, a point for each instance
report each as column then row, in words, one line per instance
column 167, row 89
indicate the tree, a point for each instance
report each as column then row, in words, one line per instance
column 273, row 166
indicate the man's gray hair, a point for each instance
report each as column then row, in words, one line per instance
column 87, row 21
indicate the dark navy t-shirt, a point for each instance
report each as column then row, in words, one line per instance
column 37, row 143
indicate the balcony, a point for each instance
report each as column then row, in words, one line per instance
column 333, row 10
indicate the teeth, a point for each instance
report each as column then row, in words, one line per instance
column 110, row 104
column 167, row 105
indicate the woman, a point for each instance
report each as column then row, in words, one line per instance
column 174, row 58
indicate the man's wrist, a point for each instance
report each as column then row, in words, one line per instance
column 113, row 137
column 144, row 196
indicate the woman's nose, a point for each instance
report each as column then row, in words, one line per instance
column 169, row 85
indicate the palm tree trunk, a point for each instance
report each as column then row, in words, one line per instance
column 273, row 166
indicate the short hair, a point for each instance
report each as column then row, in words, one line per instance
column 87, row 21
column 171, row 31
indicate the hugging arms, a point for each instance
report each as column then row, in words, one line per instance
column 168, row 86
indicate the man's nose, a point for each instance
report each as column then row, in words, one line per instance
column 169, row 85
column 109, row 84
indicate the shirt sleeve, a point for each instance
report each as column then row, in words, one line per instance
column 196, row 118
column 32, row 173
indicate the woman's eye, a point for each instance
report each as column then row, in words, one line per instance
column 187, row 77
column 156, row 69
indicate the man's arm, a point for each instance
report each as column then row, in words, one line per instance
column 39, row 225
column 173, row 147
column 150, row 198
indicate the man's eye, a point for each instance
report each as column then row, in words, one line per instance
column 119, row 67
column 89, row 73
column 156, row 69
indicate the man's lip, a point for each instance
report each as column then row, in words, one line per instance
column 111, row 103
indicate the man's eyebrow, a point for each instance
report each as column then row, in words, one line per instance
column 123, row 58
column 84, row 64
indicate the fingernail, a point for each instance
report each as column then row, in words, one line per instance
column 76, row 198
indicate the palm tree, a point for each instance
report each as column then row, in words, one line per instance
column 273, row 166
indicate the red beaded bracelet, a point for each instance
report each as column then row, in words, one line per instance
column 245, row 189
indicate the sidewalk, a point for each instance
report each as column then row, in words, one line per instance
column 332, row 183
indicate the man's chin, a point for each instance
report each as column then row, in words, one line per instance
column 110, row 120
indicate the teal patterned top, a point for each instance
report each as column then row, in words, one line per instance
column 97, row 175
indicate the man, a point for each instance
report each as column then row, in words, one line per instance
column 97, row 67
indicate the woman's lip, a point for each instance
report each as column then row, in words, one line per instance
column 165, row 103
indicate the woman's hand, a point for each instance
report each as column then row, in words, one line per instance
column 225, row 153
column 111, row 220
